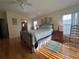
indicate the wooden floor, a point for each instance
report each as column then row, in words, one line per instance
column 67, row 51
column 12, row 49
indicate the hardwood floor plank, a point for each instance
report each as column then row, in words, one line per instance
column 66, row 52
column 12, row 49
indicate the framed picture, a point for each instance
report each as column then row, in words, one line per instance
column 14, row 21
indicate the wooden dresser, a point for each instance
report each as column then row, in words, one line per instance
column 57, row 36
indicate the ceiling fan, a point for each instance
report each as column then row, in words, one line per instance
column 21, row 3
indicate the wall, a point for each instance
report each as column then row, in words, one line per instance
column 14, row 30
column 2, row 14
column 54, row 17
column 57, row 16
column 29, row 24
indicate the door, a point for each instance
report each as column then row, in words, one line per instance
column 4, row 29
column 1, row 29
column 24, row 26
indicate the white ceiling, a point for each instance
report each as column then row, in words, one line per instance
column 39, row 7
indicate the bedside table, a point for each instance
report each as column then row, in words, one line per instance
column 57, row 36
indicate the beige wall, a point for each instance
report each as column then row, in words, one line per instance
column 29, row 24
column 14, row 30
column 2, row 14
column 57, row 16
column 55, row 20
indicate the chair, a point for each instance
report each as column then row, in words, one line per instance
column 74, row 34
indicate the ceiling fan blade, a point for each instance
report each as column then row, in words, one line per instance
column 23, row 3
column 28, row 4
column 8, row 2
column 19, row 1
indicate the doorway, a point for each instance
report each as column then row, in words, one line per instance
column 3, row 29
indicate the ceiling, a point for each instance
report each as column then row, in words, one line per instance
column 39, row 7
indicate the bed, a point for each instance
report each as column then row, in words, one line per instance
column 43, row 32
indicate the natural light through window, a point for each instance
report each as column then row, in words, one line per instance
column 67, row 23
column 35, row 24
column 67, row 17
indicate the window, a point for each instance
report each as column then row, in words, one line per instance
column 67, row 23
column 68, row 20
column 35, row 25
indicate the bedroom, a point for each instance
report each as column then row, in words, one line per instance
column 39, row 14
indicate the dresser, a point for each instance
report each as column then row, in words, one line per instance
column 57, row 36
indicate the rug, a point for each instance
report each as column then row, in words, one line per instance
column 53, row 46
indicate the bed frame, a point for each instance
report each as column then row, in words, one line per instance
column 26, row 40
